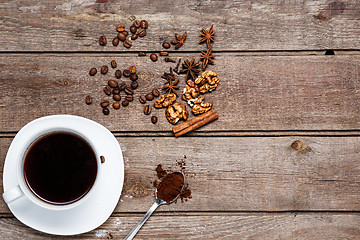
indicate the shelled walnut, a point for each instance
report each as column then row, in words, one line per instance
column 165, row 101
column 207, row 81
column 199, row 106
column 176, row 112
column 190, row 91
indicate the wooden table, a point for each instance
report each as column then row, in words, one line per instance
column 277, row 86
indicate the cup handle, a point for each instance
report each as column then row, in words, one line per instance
column 12, row 194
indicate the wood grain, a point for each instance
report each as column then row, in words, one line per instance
column 255, row 92
column 73, row 25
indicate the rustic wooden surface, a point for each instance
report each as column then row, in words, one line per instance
column 277, row 86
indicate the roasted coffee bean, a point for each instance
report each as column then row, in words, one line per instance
column 129, row 98
column 129, row 91
column 115, row 41
column 137, row 23
column 153, row 57
column 132, row 69
column 141, row 32
column 116, row 91
column 102, row 41
column 106, row 111
column 169, row 60
column 149, row 97
column 144, row 24
column 155, row 92
column 134, row 77
column 126, row 73
column 163, row 53
column 113, row 83
column 147, row 109
column 88, row 100
column 107, row 90
column 104, row 103
column 122, row 86
column 127, row 43
column 120, row 28
column 93, row 72
column 118, row 73
column 134, row 85
column 102, row 159
column 104, row 69
column 141, row 54
column 125, row 103
column 142, row 99
column 117, row 97
column 116, row 105
column 125, row 33
column 121, row 36
column 113, row 64
column 166, row 45
column 134, row 36
column 154, row 119
column 133, row 29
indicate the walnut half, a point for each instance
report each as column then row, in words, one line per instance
column 207, row 81
column 199, row 106
column 165, row 101
column 175, row 112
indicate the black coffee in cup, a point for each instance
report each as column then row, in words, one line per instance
column 60, row 168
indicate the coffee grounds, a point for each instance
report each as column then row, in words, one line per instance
column 160, row 171
column 170, row 186
column 185, row 194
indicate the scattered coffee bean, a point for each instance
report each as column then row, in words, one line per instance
column 134, row 77
column 137, row 23
column 169, row 60
column 102, row 41
column 102, row 159
column 120, row 28
column 116, row 105
column 93, row 72
column 134, row 36
column 121, row 36
column 127, row 43
column 104, row 103
column 122, row 86
column 118, row 73
column 133, row 29
column 166, row 45
column 144, row 24
column 107, row 90
column 164, row 53
column 88, row 100
column 141, row 32
column 134, row 85
column 147, row 109
column 126, row 73
column 117, row 97
column 125, row 103
column 113, row 64
column 141, row 54
column 132, row 69
column 104, row 69
column 129, row 91
column 153, row 57
column 155, row 92
column 154, row 119
column 115, row 41
column 116, row 91
column 149, row 97
column 106, row 111
column 125, row 33
column 129, row 98
column 113, row 83
column 142, row 99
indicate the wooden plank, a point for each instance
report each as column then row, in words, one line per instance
column 214, row 226
column 242, row 174
column 255, row 92
column 75, row 25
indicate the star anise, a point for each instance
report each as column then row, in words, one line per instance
column 207, row 36
column 179, row 41
column 190, row 68
column 206, row 57
column 171, row 82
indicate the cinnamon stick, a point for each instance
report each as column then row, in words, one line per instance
column 195, row 123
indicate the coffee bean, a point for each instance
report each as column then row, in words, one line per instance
column 149, row 97
column 132, row 69
column 144, row 24
column 155, row 92
column 116, row 91
column 102, row 41
column 142, row 99
column 134, row 85
column 104, row 103
column 102, row 159
column 134, row 36
column 104, row 69
column 141, row 32
column 120, row 28
column 118, row 73
column 147, row 109
column 129, row 91
column 113, row 83
column 113, row 64
column 125, row 33
column 134, row 77
column 117, row 97
column 153, row 57
column 164, row 53
column 133, row 29
column 93, row 72
column 166, row 45
column 126, row 73
column 141, row 54
column 107, row 90
column 115, row 41
column 154, row 119
column 127, row 43
column 122, row 86
column 116, row 105
column 125, row 103
column 88, row 100
column 137, row 23
column 106, row 111
column 121, row 36
column 129, row 98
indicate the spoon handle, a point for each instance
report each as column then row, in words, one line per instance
column 134, row 231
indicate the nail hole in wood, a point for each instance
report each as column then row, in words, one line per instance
column 329, row 52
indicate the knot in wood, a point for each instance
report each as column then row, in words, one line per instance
column 299, row 146
column 138, row 190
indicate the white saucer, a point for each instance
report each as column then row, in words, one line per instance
column 100, row 204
